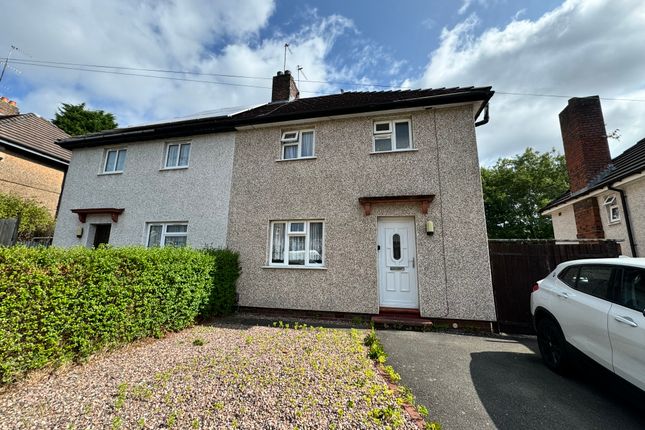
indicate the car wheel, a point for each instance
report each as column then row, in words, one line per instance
column 553, row 346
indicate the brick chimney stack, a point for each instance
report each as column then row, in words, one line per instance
column 284, row 87
column 585, row 140
column 587, row 153
column 8, row 107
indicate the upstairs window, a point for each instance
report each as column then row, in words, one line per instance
column 613, row 211
column 177, row 155
column 114, row 160
column 297, row 144
column 296, row 243
column 392, row 136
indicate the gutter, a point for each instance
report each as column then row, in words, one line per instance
column 628, row 221
column 34, row 152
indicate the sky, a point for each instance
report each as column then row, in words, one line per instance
column 535, row 54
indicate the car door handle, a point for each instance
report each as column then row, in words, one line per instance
column 564, row 294
column 625, row 320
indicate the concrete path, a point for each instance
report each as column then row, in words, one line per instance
column 473, row 382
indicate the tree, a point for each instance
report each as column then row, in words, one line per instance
column 75, row 120
column 35, row 219
column 516, row 188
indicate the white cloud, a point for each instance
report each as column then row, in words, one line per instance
column 580, row 48
column 199, row 36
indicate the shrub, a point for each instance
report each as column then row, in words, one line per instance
column 35, row 219
column 222, row 297
column 58, row 305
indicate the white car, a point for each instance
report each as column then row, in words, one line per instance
column 596, row 306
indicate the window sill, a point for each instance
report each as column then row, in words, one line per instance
column 394, row 151
column 296, row 159
column 296, row 267
column 110, row 173
column 614, row 222
column 173, row 168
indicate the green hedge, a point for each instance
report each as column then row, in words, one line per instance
column 58, row 305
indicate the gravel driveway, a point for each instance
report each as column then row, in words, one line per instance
column 226, row 376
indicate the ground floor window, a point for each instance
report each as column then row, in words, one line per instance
column 167, row 234
column 296, row 243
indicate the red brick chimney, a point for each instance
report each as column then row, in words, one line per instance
column 8, row 107
column 587, row 153
column 284, row 87
column 585, row 140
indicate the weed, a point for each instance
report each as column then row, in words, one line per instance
column 432, row 426
column 394, row 377
column 117, row 422
column 422, row 410
column 122, row 391
column 195, row 423
column 172, row 418
column 198, row 342
column 141, row 422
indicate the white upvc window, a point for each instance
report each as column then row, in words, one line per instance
column 296, row 243
column 613, row 211
column 114, row 161
column 394, row 135
column 177, row 155
column 167, row 234
column 297, row 144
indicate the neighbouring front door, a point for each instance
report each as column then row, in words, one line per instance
column 397, row 273
column 101, row 234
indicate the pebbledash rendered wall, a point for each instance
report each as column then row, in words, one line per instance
column 453, row 268
column 198, row 195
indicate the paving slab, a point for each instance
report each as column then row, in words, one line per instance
column 478, row 382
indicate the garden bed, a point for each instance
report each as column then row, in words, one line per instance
column 221, row 376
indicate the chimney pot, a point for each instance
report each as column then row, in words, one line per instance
column 8, row 107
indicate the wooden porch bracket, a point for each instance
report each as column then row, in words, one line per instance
column 424, row 201
column 83, row 213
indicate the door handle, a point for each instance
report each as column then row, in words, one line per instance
column 413, row 262
column 625, row 320
column 563, row 294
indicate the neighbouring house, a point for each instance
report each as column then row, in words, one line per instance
column 32, row 164
column 351, row 203
column 606, row 199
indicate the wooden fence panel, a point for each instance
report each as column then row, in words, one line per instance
column 8, row 231
column 517, row 265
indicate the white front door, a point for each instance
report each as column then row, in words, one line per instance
column 397, row 254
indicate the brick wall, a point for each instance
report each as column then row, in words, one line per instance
column 284, row 87
column 588, row 220
column 26, row 178
column 585, row 140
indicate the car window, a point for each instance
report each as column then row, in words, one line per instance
column 569, row 276
column 631, row 293
column 594, row 280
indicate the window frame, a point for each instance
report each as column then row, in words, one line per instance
column 167, row 154
column 296, row 140
column 164, row 232
column 610, row 204
column 391, row 133
column 618, row 290
column 611, row 282
column 287, row 234
column 106, row 153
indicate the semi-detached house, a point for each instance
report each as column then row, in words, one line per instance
column 354, row 202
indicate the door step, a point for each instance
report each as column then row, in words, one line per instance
column 401, row 318
column 399, row 312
